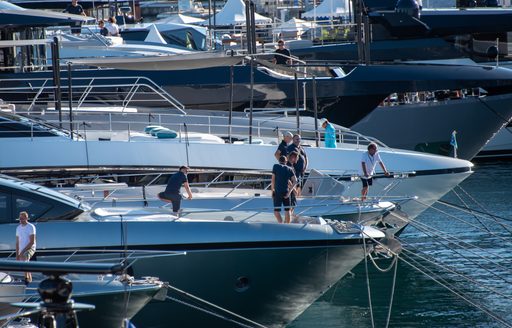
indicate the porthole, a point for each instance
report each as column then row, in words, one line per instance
column 242, row 284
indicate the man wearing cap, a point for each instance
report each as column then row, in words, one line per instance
column 172, row 191
column 281, row 188
column 282, row 149
column 330, row 133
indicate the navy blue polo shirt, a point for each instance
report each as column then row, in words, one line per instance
column 283, row 148
column 301, row 162
column 282, row 174
column 174, row 183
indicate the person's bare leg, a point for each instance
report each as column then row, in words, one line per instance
column 28, row 275
column 277, row 214
column 364, row 192
column 287, row 216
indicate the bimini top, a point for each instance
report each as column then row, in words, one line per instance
column 41, row 203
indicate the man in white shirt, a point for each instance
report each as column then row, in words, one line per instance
column 368, row 164
column 25, row 242
column 112, row 27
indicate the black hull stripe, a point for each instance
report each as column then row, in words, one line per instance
column 126, row 169
column 489, row 155
column 218, row 246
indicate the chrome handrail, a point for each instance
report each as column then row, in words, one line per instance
column 96, row 83
column 344, row 135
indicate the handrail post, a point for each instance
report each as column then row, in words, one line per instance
column 304, row 94
column 70, row 101
column 56, row 77
column 297, row 101
column 315, row 108
column 251, row 100
column 231, row 94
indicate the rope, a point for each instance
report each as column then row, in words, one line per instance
column 462, row 296
column 477, row 212
column 368, row 279
column 395, row 263
column 471, row 260
column 388, row 319
column 386, row 269
column 461, row 242
column 198, row 308
column 485, row 211
column 504, row 119
column 507, row 240
column 179, row 291
column 447, row 268
column 452, row 290
column 466, row 205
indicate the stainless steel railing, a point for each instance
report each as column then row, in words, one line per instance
column 88, row 85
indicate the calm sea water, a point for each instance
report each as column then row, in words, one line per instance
column 419, row 301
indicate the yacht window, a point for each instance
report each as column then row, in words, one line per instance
column 34, row 208
column 4, row 208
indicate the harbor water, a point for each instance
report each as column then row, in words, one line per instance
column 482, row 252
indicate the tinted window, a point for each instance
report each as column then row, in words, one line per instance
column 34, row 208
column 4, row 208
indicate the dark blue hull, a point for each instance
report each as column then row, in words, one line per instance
column 343, row 100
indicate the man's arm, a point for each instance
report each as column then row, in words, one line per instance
column 17, row 248
column 292, row 188
column 306, row 162
column 289, row 61
column 29, row 245
column 384, row 168
column 277, row 154
column 363, row 165
column 187, row 188
column 273, row 183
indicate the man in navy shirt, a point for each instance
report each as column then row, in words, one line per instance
column 282, row 55
column 172, row 191
column 280, row 186
column 282, row 149
column 75, row 9
column 302, row 161
column 292, row 162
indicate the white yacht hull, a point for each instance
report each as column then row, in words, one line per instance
column 434, row 175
